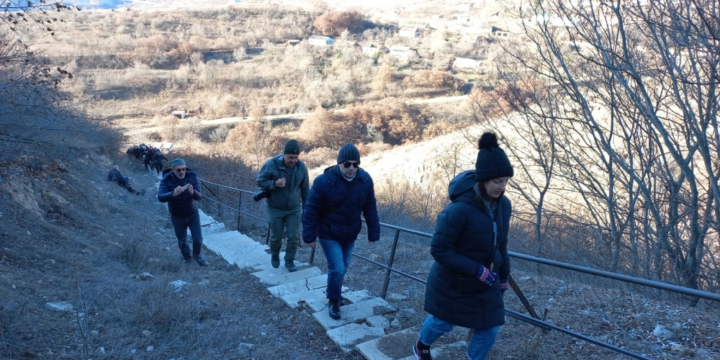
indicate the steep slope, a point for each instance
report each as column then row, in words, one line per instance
column 68, row 236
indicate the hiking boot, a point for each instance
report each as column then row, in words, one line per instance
column 421, row 351
column 275, row 261
column 187, row 259
column 200, row 260
column 290, row 265
column 334, row 309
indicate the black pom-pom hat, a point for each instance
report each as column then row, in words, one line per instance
column 491, row 163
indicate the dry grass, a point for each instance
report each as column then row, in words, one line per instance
column 189, row 60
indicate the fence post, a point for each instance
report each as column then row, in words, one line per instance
column 220, row 208
column 390, row 264
column 239, row 210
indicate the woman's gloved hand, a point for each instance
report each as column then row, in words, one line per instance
column 503, row 286
column 486, row 275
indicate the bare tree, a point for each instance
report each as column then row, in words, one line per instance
column 637, row 109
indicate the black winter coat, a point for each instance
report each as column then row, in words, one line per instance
column 183, row 204
column 117, row 177
column 343, row 224
column 464, row 239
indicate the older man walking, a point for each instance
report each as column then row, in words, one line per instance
column 285, row 178
column 337, row 199
column 180, row 188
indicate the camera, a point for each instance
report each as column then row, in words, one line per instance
column 263, row 193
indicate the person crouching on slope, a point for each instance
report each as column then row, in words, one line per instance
column 180, row 188
column 469, row 276
column 332, row 214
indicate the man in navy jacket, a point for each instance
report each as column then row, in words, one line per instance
column 180, row 188
column 332, row 213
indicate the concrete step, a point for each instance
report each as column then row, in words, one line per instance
column 347, row 336
column 228, row 241
column 316, row 300
column 213, row 228
column 247, row 258
column 282, row 276
column 268, row 266
column 299, row 286
column 398, row 346
column 352, row 297
column 205, row 219
column 355, row 313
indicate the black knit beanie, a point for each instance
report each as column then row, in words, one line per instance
column 292, row 147
column 348, row 153
column 492, row 163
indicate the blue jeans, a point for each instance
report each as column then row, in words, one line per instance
column 181, row 224
column 478, row 348
column 338, row 260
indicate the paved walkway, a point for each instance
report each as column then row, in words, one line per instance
column 363, row 325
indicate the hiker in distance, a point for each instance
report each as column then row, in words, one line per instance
column 180, row 188
column 469, row 276
column 332, row 213
column 116, row 176
column 286, row 183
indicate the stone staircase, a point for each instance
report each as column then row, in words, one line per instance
column 363, row 325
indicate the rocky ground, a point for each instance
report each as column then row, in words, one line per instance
column 86, row 271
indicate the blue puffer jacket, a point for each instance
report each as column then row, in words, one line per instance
column 183, row 204
column 342, row 225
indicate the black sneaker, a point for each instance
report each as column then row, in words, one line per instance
column 334, row 309
column 275, row 261
column 200, row 260
column 421, row 351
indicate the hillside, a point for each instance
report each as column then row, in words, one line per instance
column 70, row 236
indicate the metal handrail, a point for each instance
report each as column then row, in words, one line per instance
column 227, row 187
column 527, row 319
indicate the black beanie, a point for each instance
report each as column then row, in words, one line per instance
column 348, row 153
column 492, row 163
column 292, row 147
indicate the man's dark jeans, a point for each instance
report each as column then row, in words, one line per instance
column 181, row 224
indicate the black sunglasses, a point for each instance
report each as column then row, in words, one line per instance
column 347, row 164
column 180, row 170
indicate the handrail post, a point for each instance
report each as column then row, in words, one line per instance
column 239, row 210
column 220, row 212
column 390, row 264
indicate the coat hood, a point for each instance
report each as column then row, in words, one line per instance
column 461, row 187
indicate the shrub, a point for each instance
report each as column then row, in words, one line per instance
column 323, row 128
column 436, row 79
column 397, row 122
column 334, row 22
column 322, row 156
column 253, row 141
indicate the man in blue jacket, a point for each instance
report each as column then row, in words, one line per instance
column 180, row 188
column 332, row 213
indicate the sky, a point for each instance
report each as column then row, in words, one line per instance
column 98, row 4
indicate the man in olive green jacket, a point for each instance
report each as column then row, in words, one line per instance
column 285, row 177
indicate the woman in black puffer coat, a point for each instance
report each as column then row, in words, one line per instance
column 471, row 267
